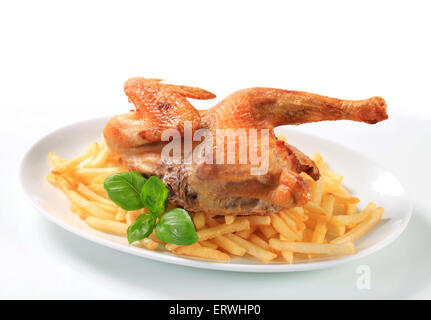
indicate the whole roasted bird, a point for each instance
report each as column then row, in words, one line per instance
column 226, row 188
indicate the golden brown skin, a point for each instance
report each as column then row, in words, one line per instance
column 270, row 108
column 158, row 107
column 135, row 137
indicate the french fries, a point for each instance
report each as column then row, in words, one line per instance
column 229, row 246
column 359, row 230
column 225, row 243
column 351, row 209
column 94, row 172
column 98, row 160
column 287, row 255
column 130, row 217
column 252, row 249
column 282, row 228
column 336, row 229
column 262, row 243
column 244, row 233
column 96, row 175
column 327, row 225
column 294, row 225
column 209, row 244
column 352, row 219
column 99, row 189
column 55, row 160
column 313, row 248
column 201, row 252
column 345, row 199
column 108, row 226
column 80, row 202
column 91, row 195
column 321, row 227
column 69, row 164
column 267, row 231
column 121, row 215
column 171, row 246
column 199, row 220
column 147, row 243
column 316, row 191
column 339, row 209
column 229, row 219
column 259, row 220
column 219, row 230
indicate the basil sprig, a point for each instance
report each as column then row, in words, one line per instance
column 131, row 191
column 176, row 226
column 141, row 228
column 154, row 196
column 124, row 189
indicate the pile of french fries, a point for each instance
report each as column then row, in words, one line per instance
column 327, row 225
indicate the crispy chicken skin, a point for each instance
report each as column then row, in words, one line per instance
column 227, row 189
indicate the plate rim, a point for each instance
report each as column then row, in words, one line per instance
column 210, row 265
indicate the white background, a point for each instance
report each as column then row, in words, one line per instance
column 61, row 62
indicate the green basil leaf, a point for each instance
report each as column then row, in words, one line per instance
column 154, row 196
column 141, row 228
column 124, row 189
column 176, row 227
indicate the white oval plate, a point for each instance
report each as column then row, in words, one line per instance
column 363, row 177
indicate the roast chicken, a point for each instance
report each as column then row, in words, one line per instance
column 137, row 140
